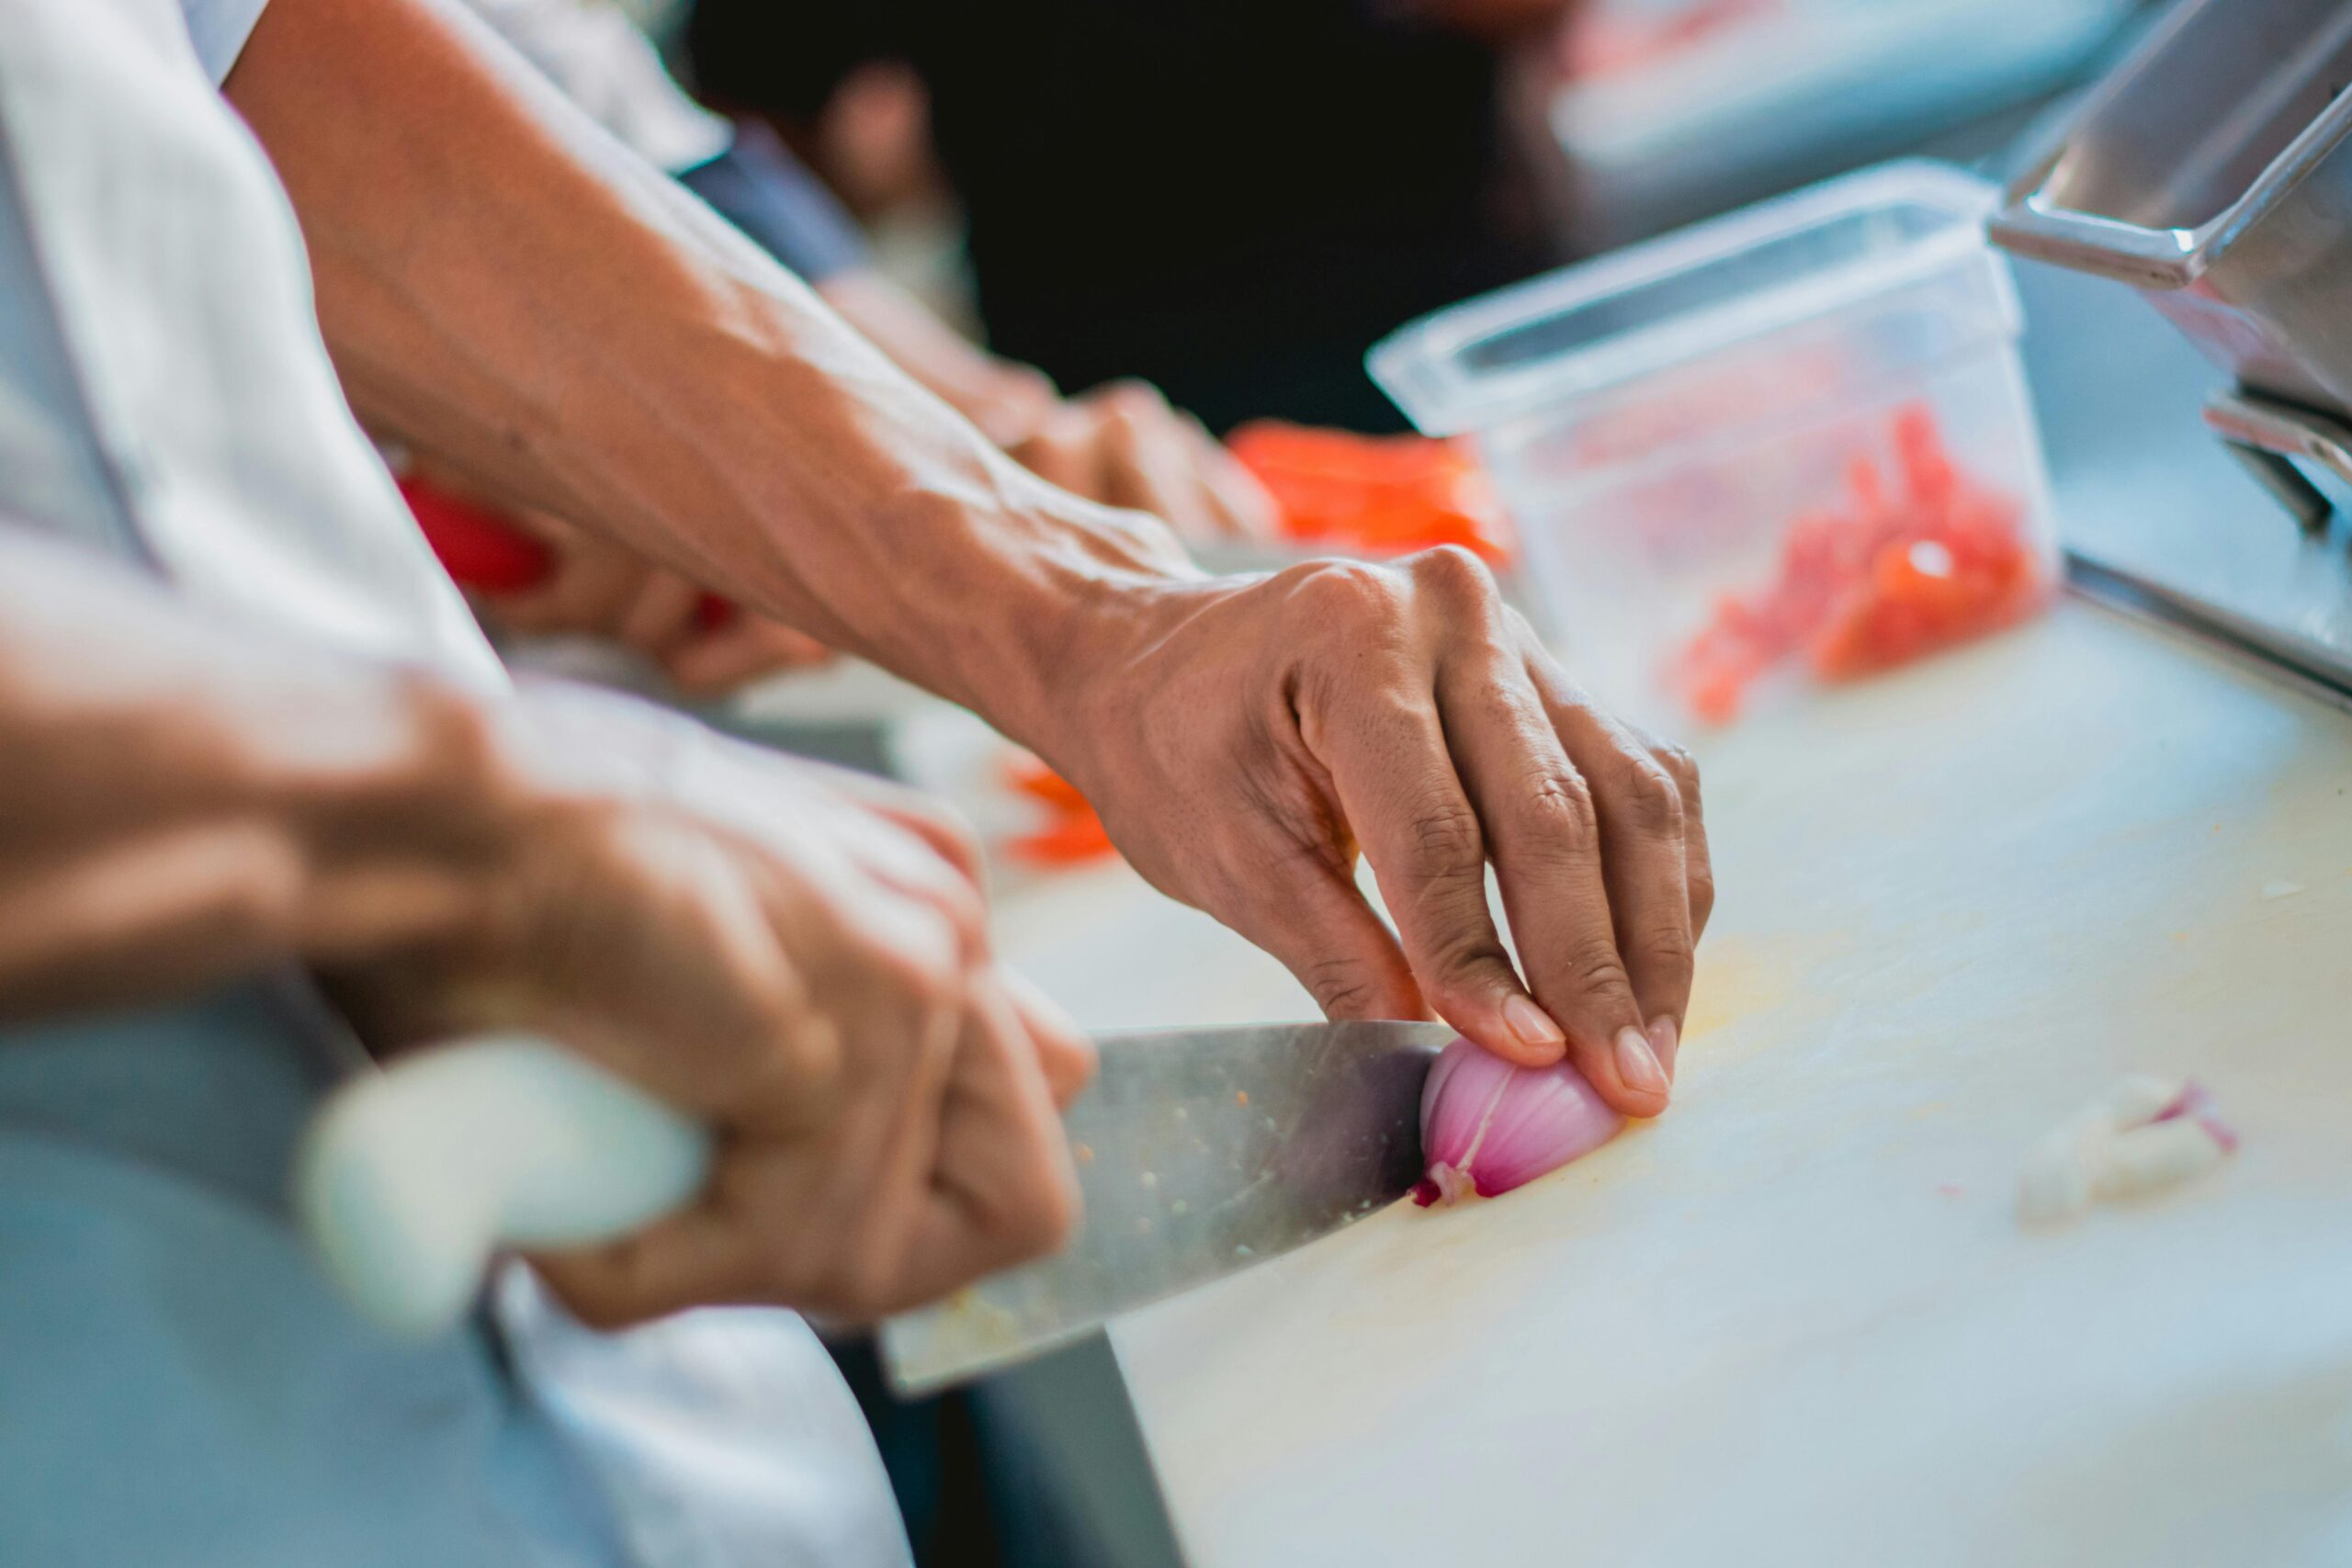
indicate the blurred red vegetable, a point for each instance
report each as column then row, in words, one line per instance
column 1377, row 495
column 478, row 545
column 1890, row 577
column 483, row 549
column 1073, row 833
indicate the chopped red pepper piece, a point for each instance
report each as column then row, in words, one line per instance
column 1073, row 840
column 1073, row 833
column 480, row 548
column 1379, row 495
column 1894, row 575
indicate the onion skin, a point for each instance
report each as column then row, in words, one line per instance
column 2195, row 1103
column 2144, row 1136
column 1488, row 1126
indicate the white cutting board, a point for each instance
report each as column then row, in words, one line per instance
column 1794, row 1321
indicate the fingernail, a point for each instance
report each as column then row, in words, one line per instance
column 1666, row 1043
column 1531, row 1026
column 1637, row 1065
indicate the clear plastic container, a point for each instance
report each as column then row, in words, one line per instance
column 1796, row 438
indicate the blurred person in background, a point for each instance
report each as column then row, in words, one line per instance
column 1121, row 445
column 1230, row 198
column 255, row 742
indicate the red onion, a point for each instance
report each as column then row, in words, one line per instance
column 1488, row 1126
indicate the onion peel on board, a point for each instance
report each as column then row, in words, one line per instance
column 2145, row 1135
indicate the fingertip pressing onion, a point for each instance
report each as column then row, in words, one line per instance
column 1488, row 1126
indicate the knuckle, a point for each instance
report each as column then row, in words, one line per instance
column 1046, row 1220
column 1026, row 381
column 1674, row 759
column 1465, row 970
column 1338, row 593
column 1664, row 953
column 927, row 973
column 1561, row 805
column 1594, row 969
column 964, row 911
column 926, row 814
column 1454, row 573
column 1130, row 398
column 1651, row 804
column 809, row 1059
column 958, row 840
column 1446, row 837
column 1340, row 986
column 1561, row 694
column 1702, row 895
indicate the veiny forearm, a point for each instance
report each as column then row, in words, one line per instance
column 179, row 806
column 1007, row 401
column 504, row 286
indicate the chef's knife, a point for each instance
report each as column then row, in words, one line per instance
column 1200, row 1151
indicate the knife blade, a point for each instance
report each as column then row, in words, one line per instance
column 1200, row 1153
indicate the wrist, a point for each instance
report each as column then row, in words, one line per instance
column 407, row 849
column 1072, row 591
column 1098, row 670
column 509, row 814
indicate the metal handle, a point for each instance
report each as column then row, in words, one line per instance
column 2269, row 436
column 410, row 1179
column 2148, row 258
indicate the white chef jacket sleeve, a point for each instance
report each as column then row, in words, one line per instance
column 593, row 52
column 220, row 28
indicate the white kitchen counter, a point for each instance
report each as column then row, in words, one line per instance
column 1794, row 1321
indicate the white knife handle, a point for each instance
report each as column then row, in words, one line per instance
column 410, row 1178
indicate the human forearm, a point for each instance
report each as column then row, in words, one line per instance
column 790, row 958
column 1006, row 401
column 178, row 807
column 560, row 322
column 502, row 285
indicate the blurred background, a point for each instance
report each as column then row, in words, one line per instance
column 1234, row 198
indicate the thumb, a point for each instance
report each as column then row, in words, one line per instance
column 1065, row 1054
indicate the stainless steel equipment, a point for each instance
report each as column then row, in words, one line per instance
column 2211, row 170
column 1201, row 1152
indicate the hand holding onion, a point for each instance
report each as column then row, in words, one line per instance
column 1243, row 736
